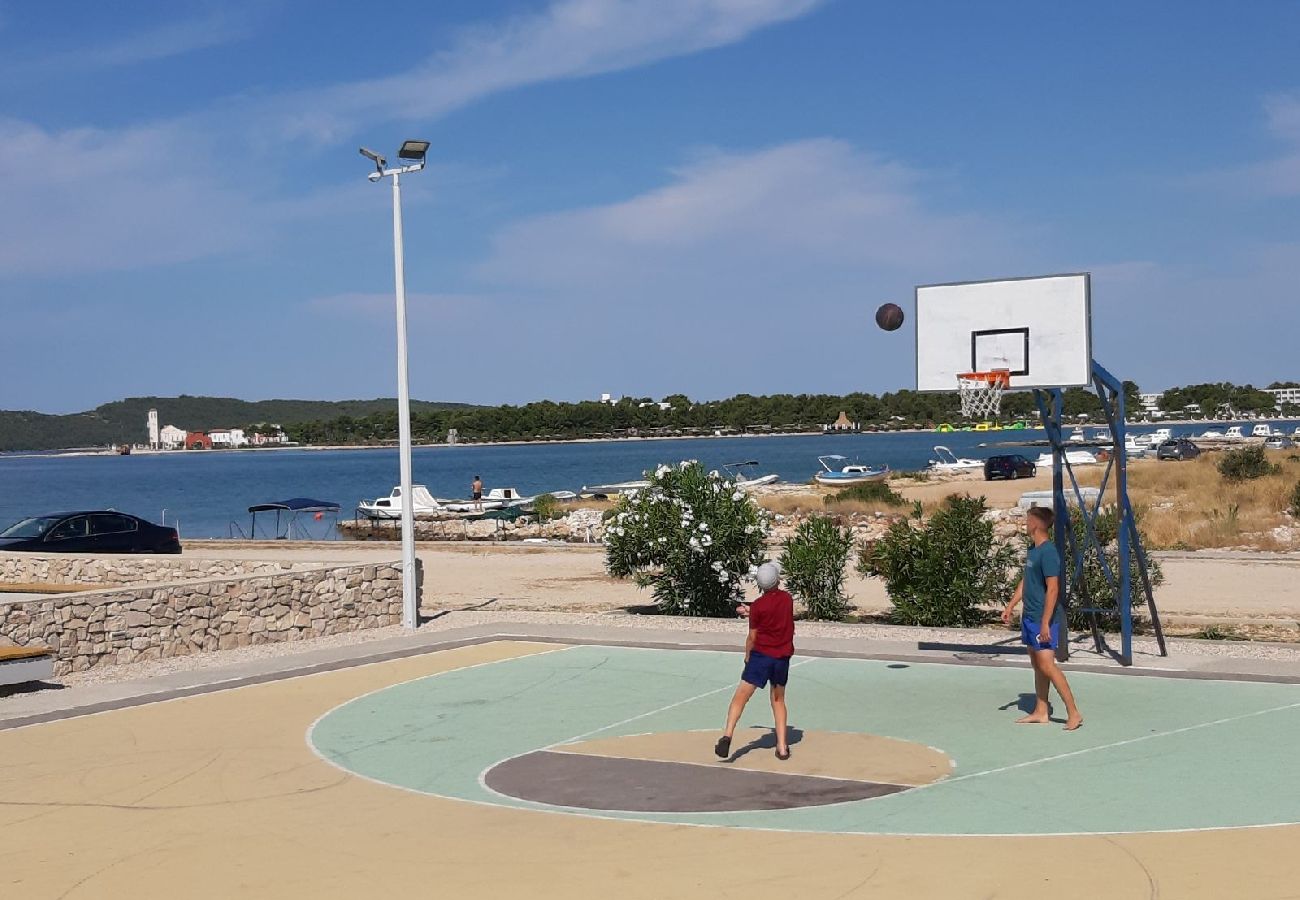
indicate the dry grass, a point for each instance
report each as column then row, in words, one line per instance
column 1190, row 506
column 1180, row 505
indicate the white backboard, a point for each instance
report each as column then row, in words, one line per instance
column 1038, row 328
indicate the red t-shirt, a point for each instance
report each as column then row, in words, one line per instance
column 771, row 616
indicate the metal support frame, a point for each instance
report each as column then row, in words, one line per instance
column 1128, row 542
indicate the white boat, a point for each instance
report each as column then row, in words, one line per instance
column 390, row 507
column 1030, row 499
column 949, row 462
column 1077, row 435
column 497, row 498
column 619, row 487
column 852, row 473
column 1212, row 434
column 1073, row 457
column 1159, row 436
column 740, row 474
column 1135, row 446
column 1234, row 434
column 1262, row 430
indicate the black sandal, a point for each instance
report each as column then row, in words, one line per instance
column 723, row 747
column 783, row 758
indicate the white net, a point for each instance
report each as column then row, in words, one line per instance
column 981, row 393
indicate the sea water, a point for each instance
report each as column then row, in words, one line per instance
column 205, row 491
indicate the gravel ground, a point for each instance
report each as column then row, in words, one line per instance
column 726, row 629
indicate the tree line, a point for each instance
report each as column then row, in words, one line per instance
column 642, row 416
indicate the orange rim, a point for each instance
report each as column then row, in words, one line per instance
column 996, row 377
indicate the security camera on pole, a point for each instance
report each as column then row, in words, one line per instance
column 414, row 151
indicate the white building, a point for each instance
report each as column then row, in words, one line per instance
column 1151, row 405
column 228, row 437
column 171, row 437
column 153, row 429
column 267, row 435
column 1282, row 396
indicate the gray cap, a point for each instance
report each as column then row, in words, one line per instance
column 769, row 574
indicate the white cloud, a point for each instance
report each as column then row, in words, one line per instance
column 89, row 199
column 797, row 211
column 570, row 39
column 161, row 41
column 150, row 194
column 746, row 271
column 1275, row 177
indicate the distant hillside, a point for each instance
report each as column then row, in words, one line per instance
column 124, row 422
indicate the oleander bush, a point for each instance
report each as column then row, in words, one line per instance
column 691, row 536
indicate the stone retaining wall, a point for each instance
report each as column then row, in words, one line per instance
column 69, row 569
column 113, row 627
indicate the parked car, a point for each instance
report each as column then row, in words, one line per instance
column 1279, row 442
column 95, row 531
column 1010, row 465
column 1178, row 449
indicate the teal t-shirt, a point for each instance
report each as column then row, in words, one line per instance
column 1041, row 563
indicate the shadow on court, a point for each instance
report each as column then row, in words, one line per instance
column 766, row 741
column 1025, row 703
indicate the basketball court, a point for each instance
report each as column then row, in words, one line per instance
column 525, row 767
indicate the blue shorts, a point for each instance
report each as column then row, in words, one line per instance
column 762, row 668
column 1029, row 631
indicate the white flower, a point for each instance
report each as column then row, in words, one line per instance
column 704, row 526
column 739, row 495
column 717, row 566
column 706, row 541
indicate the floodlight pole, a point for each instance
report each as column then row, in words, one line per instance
column 410, row 595
column 410, row 601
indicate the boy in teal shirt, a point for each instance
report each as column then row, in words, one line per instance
column 1039, row 590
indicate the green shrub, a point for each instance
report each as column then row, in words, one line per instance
column 944, row 572
column 1094, row 589
column 1294, row 505
column 1247, row 463
column 546, row 508
column 867, row 492
column 812, row 565
column 691, row 536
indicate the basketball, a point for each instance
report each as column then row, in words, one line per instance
column 889, row 316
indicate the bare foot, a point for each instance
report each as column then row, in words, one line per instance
column 1074, row 723
column 1033, row 719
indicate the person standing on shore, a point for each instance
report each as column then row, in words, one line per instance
column 476, row 492
column 767, row 658
column 1040, row 589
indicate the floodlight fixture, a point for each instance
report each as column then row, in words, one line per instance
column 414, row 150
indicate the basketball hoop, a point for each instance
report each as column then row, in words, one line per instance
column 981, row 392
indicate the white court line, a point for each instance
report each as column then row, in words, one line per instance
column 645, row 715
column 1112, row 746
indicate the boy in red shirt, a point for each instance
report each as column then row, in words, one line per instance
column 767, row 658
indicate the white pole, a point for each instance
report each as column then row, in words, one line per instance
column 410, row 603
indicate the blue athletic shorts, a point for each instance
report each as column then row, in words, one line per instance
column 1029, row 631
column 762, row 668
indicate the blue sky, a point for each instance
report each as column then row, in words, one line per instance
column 633, row 196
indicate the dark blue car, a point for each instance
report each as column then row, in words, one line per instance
column 94, row 531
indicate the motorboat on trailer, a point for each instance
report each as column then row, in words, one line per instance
column 1073, row 457
column 613, row 489
column 851, row 473
column 390, row 507
column 497, row 498
column 740, row 473
column 949, row 462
